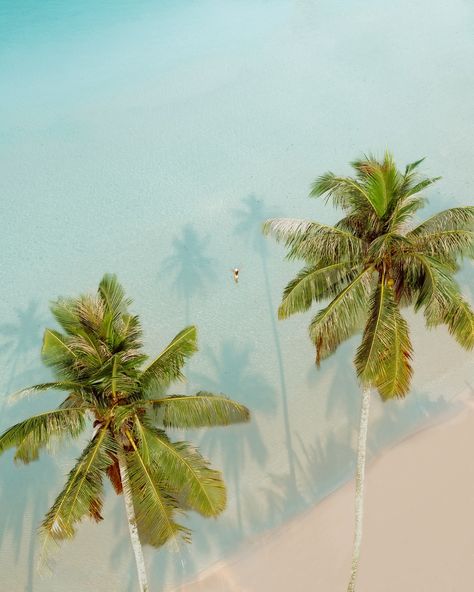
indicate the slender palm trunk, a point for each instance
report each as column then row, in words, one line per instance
column 132, row 525
column 360, row 477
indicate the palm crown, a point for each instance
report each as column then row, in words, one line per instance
column 98, row 359
column 375, row 261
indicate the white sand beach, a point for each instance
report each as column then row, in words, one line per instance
column 419, row 527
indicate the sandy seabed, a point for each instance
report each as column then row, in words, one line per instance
column 418, row 532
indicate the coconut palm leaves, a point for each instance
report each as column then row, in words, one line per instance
column 98, row 360
column 375, row 261
column 369, row 265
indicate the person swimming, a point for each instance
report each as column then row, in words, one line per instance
column 235, row 273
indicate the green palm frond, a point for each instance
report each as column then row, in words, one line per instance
column 314, row 283
column 416, row 188
column 56, row 350
column 383, row 358
column 113, row 295
column 312, row 241
column 453, row 219
column 200, row 410
column 46, row 386
column 444, row 244
column 201, row 488
column 155, row 503
column 410, row 168
column 458, row 316
column 444, row 305
column 167, row 366
column 65, row 312
column 382, row 182
column 33, row 434
column 342, row 317
column 403, row 211
column 82, row 494
column 343, row 192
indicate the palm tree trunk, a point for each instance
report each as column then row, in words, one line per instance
column 132, row 525
column 360, row 477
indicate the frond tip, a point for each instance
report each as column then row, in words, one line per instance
column 33, row 434
column 383, row 358
column 201, row 410
column 168, row 365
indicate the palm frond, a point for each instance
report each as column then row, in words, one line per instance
column 312, row 241
column 404, row 210
column 56, row 350
column 45, row 386
column 344, row 192
column 83, row 492
column 413, row 165
column 383, row 358
column 65, row 312
column 113, row 295
column 382, row 182
column 314, row 283
column 445, row 245
column 453, row 219
column 342, row 317
column 33, row 434
column 200, row 410
column 444, row 305
column 167, row 366
column 154, row 502
column 187, row 472
column 415, row 189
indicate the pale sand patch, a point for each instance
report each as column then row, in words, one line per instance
column 419, row 527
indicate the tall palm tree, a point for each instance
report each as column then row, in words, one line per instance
column 370, row 265
column 98, row 359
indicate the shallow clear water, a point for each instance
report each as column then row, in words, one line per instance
column 151, row 139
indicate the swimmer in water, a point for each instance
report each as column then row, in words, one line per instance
column 235, row 273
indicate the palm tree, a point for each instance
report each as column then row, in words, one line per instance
column 370, row 264
column 98, row 359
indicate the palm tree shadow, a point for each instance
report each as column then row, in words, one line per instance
column 328, row 460
column 24, row 504
column 236, row 444
column 250, row 218
column 19, row 343
column 188, row 266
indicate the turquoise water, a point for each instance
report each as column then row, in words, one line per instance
column 151, row 139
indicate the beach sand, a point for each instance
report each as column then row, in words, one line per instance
column 418, row 529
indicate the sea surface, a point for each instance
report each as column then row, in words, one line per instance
column 150, row 139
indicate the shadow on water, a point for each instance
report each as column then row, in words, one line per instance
column 236, row 444
column 20, row 343
column 24, row 489
column 189, row 266
column 250, row 218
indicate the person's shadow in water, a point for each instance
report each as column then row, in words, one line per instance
column 24, row 489
column 189, row 267
column 249, row 220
